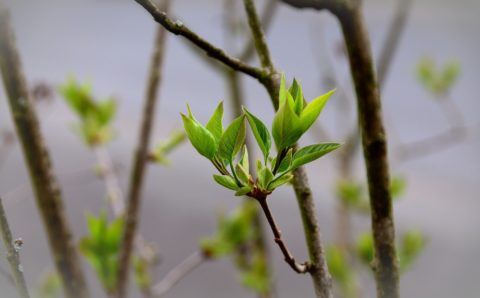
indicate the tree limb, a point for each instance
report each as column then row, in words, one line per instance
column 178, row 28
column 13, row 255
column 48, row 197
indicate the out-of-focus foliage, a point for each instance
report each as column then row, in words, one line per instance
column 342, row 271
column 50, row 286
column 436, row 80
column 160, row 152
column 95, row 116
column 102, row 247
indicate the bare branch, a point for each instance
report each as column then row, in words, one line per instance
column 48, row 197
column 177, row 273
column 13, row 255
column 178, row 28
column 140, row 160
column 390, row 44
column 299, row 268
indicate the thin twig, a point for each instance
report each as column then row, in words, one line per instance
column 299, row 268
column 140, row 160
column 114, row 191
column 178, row 28
column 13, row 255
column 177, row 273
column 48, row 197
column 318, row 269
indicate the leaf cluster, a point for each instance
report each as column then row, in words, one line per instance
column 102, row 247
column 226, row 149
column 95, row 116
column 437, row 81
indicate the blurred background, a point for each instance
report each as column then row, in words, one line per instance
column 109, row 43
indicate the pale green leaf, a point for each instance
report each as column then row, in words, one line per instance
column 286, row 127
column 232, row 139
column 311, row 153
column 260, row 131
column 215, row 125
column 311, row 112
column 243, row 191
column 282, row 93
column 200, row 137
column 277, row 182
column 226, row 181
column 265, row 176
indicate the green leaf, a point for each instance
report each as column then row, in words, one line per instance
column 215, row 125
column 260, row 131
column 277, row 182
column 286, row 161
column 232, row 139
column 412, row 244
column 106, row 111
column 297, row 94
column 397, row 186
column 365, row 248
column 242, row 174
column 286, row 127
column 226, row 181
column 282, row 93
column 199, row 136
column 244, row 162
column 311, row 153
column 265, row 176
column 243, row 191
column 313, row 110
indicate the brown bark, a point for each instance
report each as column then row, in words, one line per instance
column 47, row 193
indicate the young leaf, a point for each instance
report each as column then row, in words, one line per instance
column 244, row 162
column 311, row 153
column 297, row 94
column 282, row 93
column 199, row 136
column 214, row 125
column 242, row 174
column 286, row 162
column 243, row 191
column 232, row 139
column 265, row 176
column 277, row 182
column 286, row 127
column 226, row 181
column 106, row 110
column 260, row 131
column 313, row 109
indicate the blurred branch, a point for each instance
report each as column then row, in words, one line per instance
column 141, row 156
column 177, row 273
column 390, row 44
column 48, row 196
column 13, row 256
column 178, row 28
column 107, row 172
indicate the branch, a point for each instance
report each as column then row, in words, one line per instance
column 13, row 256
column 299, row 268
column 177, row 273
column 390, row 44
column 140, row 161
column 374, row 148
column 48, row 197
column 331, row 5
column 178, row 28
column 114, row 191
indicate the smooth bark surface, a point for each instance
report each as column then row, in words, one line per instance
column 47, row 193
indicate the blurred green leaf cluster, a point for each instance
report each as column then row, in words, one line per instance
column 160, row 152
column 102, row 247
column 50, row 286
column 355, row 195
column 95, row 116
column 437, row 81
column 342, row 272
column 411, row 244
column 226, row 149
column 234, row 235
